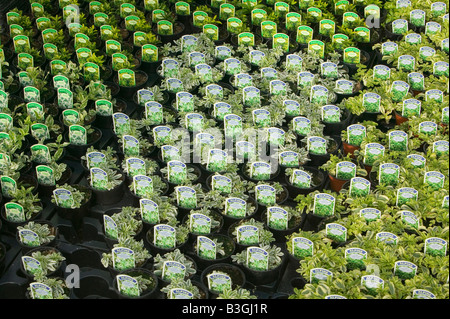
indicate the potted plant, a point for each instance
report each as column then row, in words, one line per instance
column 122, row 224
column 36, row 234
column 42, row 261
column 136, row 283
column 186, row 288
column 173, row 266
column 48, row 288
column 220, row 277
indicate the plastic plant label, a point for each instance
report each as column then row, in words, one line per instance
column 247, row 235
column 65, row 98
column 435, row 246
column 158, row 15
column 426, row 53
column 438, row 9
column 276, row 136
column 57, row 66
column 344, row 86
column 184, row 102
column 434, row 95
column 194, row 122
column 413, row 38
column 277, row 87
column 170, row 68
column 336, row 232
column 389, row 174
column 387, row 238
column 186, row 197
column 99, row 179
column 317, row 47
column 45, row 175
column 372, row 283
column 359, row 187
column 329, row 70
column 110, row 227
column 40, row 291
column 304, row 34
column 411, row 107
column 204, row 140
column 217, row 160
column 441, row 148
column 258, row 16
column 291, row 107
column 389, row 48
column 235, row 207
column 355, row 257
column 126, row 78
column 277, row 218
column 61, row 82
column 245, row 150
column 340, row 7
column 149, row 211
column 219, row 282
column 173, row 270
column 206, row 248
column 40, row 153
column 398, row 141
column 372, row 10
column 428, row 128
column 21, row 43
column 188, row 43
column 176, row 172
column 444, row 45
column 356, row 134
column 294, row 62
column 204, row 71
column 409, row 219
column 293, row 21
column 144, row 96
column 441, row 68
column 301, row 179
column 400, row 26
column 434, row 179
column 305, row 79
column 31, row 265
column 268, row 29
column 6, row 122
column 417, row 160
column 121, row 123
column 349, row 19
column 324, row 205
column 222, row 53
column 327, row 27
column 315, row 14
column 345, row 170
column 260, row 171
column 302, row 247
column 318, row 95
column 31, row 94
column 135, row 166
column 445, row 115
column 422, row 294
column 164, row 236
column 211, row 31
column 70, row 117
column 370, row 214
column 405, row 269
column 169, row 153
column 416, row 81
column 221, row 109
column 232, row 66
column 257, row 259
column 14, row 212
column 406, row 194
column 317, row 145
column 406, row 63
column 331, row 114
column 339, row 40
column 196, row 58
column 123, row 258
column 200, row 224
column 179, row 293
column 214, row 91
column 288, row 159
column 221, row 183
column 25, row 60
column 127, row 285
column 362, row 35
column 319, row 274
column 95, row 159
column 445, row 202
column 91, row 72
column 269, row 73
column 226, row 11
column 63, row 198
column 154, row 112
column 432, row 28
column 403, row 4
column 77, row 135
column 251, row 96
column 265, row 195
column 352, row 55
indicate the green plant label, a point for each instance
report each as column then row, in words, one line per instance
column 45, row 175
column 432, row 28
column 234, row 25
column 304, row 34
column 445, row 115
column 110, row 227
column 426, row 53
column 281, row 40
column 305, row 4
column 199, row 18
column 5, row 160
column 221, row 183
column 142, row 186
column 106, row 33
column 329, row 70
column 362, row 35
column 435, row 246
column 245, row 150
column 179, row 293
column 291, row 108
column 345, row 170
column 331, row 114
column 288, row 159
column 257, row 259
column 77, row 135
column 417, row 160
column 413, row 38
column 65, row 98
column 176, row 172
column 406, row 194
column 260, row 171
column 9, row 186
column 277, row 87
column 314, row 14
column 214, row 91
column 372, row 10
column 220, row 110
column 212, row 31
column 302, row 247
column 403, row 4
column 42, row 23
column 398, row 141
column 339, row 41
column 31, row 265
column 226, row 11
column 434, row 95
column 258, row 16
column 103, row 107
column 15, row 212
column 123, row 258
column 49, row 34
column 12, row 17
column 256, row 57
column 217, row 160
column 428, row 128
column 199, row 224
column 219, row 282
column 119, row 61
column 31, row 94
column 318, row 95
column 300, row 179
column 121, row 123
column 319, row 274
column 355, row 257
column 359, row 187
column 441, row 148
column 422, row 294
column 61, row 82
column 101, row 18
column 268, row 29
column 356, row 134
column 276, row 136
column 305, row 79
column 399, row 26
column 182, row 8
column 139, row 38
column 40, row 291
column 387, row 237
column 57, row 66
column 149, row 211
column 3, row 99
column 63, row 198
column 352, row 55
column 388, row 174
column 158, row 15
column 323, row 205
column 265, row 195
column 40, row 154
column 389, row 48
column 6, row 122
column 317, row 145
column 326, row 27
column 411, row 107
column 127, row 285
column 399, row 89
column 173, row 270
column 409, row 219
column 91, row 71
column 372, row 283
column 95, row 159
column 222, row 53
column 21, row 43
column 130, row 145
column 235, row 207
column 370, row 214
column 24, row 79
column 126, row 9
column 25, row 60
column 164, row 236
column 405, row 269
column 349, row 19
column 112, row 46
column 149, row 53
column 340, row 7
column 277, row 218
column 293, row 21
column 80, row 40
column 186, row 197
column 126, row 77
column 344, row 86
column 434, row 179
column 406, row 62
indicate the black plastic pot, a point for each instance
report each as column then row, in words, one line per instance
column 317, row 182
column 109, row 197
column 280, row 235
column 127, row 92
column 336, row 128
column 80, row 150
column 58, row 272
column 169, row 38
column 150, row 293
column 154, row 250
column 236, row 274
column 47, row 191
column 319, row 160
column 312, row 222
column 106, row 122
column 229, row 247
column 52, row 243
column 93, row 287
column 10, row 226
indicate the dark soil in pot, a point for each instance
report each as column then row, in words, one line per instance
column 260, row 278
column 336, row 128
column 78, row 151
column 332, row 148
column 280, row 234
column 317, row 183
column 236, row 274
